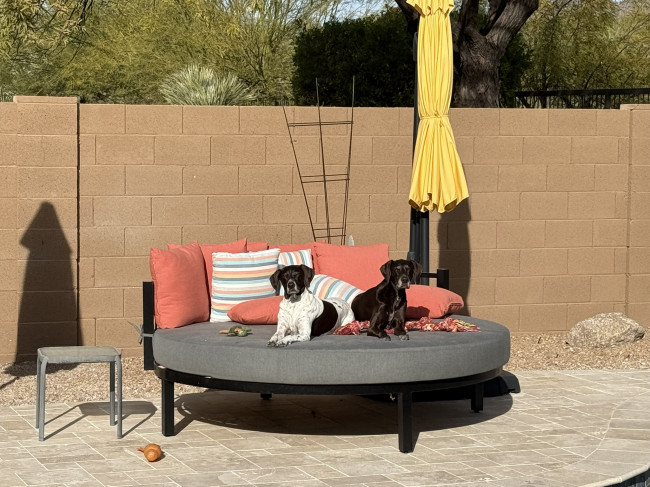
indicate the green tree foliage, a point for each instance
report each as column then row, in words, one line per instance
column 586, row 44
column 376, row 50
column 197, row 85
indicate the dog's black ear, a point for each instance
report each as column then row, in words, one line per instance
column 275, row 281
column 386, row 269
column 416, row 271
column 307, row 274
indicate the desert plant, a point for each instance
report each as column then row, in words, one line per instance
column 198, row 85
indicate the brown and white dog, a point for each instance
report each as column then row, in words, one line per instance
column 385, row 304
column 302, row 315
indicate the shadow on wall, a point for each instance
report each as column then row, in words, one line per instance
column 455, row 252
column 48, row 305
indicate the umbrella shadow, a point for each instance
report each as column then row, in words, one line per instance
column 48, row 306
column 454, row 249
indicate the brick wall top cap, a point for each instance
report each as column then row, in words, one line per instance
column 46, row 99
column 635, row 107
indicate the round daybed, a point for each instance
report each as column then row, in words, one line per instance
column 330, row 364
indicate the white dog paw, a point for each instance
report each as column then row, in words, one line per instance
column 404, row 337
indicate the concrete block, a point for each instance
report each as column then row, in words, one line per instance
column 102, row 119
column 372, row 233
column 208, row 234
column 209, row 180
column 571, row 177
column 140, row 240
column 8, row 118
column 117, row 332
column 392, row 150
column 124, row 149
column 592, row 205
column 267, row 120
column 640, row 151
column 209, row 120
column 9, row 178
column 543, row 262
column 154, row 180
column 639, row 287
column 544, row 206
column 506, row 315
column 640, row 123
column 465, row 149
column 286, row 209
column 9, row 307
column 264, row 233
column 610, row 233
column 523, row 122
column 595, row 150
column 186, row 150
column 406, row 120
column 482, row 179
column 474, row 122
column 591, row 260
column 44, row 334
column 373, row 180
column 572, row 122
column 581, row 311
column 610, row 288
column 236, row 150
column 639, row 179
column 547, row 150
column 480, row 292
column 47, row 118
column 494, row 206
column 519, row 290
column 87, row 150
column 310, row 115
column 8, row 213
column 567, row 289
column 86, row 332
column 569, row 233
column 226, row 210
column 624, row 151
column 154, row 119
column 639, row 232
column 179, row 210
column 404, row 174
column 611, row 177
column 46, row 151
column 543, row 318
column 47, row 182
column 313, row 182
column 47, row 307
column 639, row 260
column 265, row 180
column 86, row 272
column 9, row 150
column 376, row 121
column 121, row 210
column 386, row 207
column 280, row 151
column 101, row 302
column 86, row 209
column 102, row 180
column 458, row 260
column 121, row 271
column 132, row 301
column 102, row 241
column 527, row 177
column 9, row 272
column 640, row 206
column 498, row 150
column 474, row 235
column 300, row 234
column 613, row 123
column 495, row 263
column 57, row 214
column 520, row 234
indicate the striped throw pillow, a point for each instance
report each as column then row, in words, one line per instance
column 296, row 257
column 325, row 287
column 240, row 277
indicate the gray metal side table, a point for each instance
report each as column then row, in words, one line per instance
column 77, row 355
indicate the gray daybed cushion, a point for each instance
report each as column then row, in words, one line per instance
column 332, row 359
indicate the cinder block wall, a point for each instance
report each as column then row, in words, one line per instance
column 556, row 227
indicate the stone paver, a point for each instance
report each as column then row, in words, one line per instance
column 565, row 428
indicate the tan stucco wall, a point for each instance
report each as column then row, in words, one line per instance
column 556, row 229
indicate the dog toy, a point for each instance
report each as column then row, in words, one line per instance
column 236, row 331
column 152, row 452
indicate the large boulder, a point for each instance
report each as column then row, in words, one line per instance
column 605, row 330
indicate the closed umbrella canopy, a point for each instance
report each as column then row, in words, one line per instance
column 438, row 181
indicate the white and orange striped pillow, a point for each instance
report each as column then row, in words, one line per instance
column 295, row 257
column 240, row 277
column 325, row 287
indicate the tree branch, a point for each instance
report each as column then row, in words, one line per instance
column 412, row 16
column 513, row 16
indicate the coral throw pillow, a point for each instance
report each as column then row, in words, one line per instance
column 180, row 289
column 432, row 302
column 358, row 265
column 240, row 277
column 207, row 249
column 263, row 311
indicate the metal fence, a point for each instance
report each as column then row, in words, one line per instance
column 606, row 98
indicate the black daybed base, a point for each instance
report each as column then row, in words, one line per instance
column 204, row 338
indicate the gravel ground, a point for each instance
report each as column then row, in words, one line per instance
column 533, row 351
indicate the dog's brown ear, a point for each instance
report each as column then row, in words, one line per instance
column 416, row 271
column 307, row 273
column 385, row 270
column 275, row 281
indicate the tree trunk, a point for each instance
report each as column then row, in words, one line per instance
column 476, row 75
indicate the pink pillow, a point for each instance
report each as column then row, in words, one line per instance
column 206, row 249
column 358, row 265
column 257, row 246
column 262, row 311
column 432, row 302
column 180, row 289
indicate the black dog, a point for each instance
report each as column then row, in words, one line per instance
column 385, row 304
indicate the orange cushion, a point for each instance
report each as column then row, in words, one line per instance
column 358, row 265
column 262, row 311
column 256, row 246
column 206, row 249
column 180, row 288
column 432, row 302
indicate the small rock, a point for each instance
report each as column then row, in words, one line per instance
column 605, row 330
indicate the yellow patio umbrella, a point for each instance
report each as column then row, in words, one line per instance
column 438, row 180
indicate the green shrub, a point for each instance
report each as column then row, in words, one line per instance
column 198, row 85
